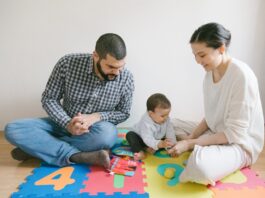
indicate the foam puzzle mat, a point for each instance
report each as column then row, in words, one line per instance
column 148, row 181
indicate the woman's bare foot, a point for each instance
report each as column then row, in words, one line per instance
column 139, row 156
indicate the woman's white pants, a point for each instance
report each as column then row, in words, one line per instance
column 208, row 164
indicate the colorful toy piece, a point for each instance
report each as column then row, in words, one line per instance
column 122, row 166
column 123, row 151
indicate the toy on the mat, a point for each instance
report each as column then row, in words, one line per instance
column 123, row 151
column 125, row 142
column 122, row 135
column 169, row 173
column 122, row 166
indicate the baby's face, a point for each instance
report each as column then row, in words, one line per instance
column 159, row 115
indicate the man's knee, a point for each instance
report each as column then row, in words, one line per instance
column 17, row 130
column 106, row 126
column 108, row 132
column 12, row 130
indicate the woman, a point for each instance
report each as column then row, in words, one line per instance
column 231, row 135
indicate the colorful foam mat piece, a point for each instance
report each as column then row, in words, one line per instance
column 148, row 181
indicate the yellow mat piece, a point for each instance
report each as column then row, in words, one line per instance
column 160, row 186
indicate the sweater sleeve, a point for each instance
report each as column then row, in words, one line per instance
column 240, row 109
column 147, row 134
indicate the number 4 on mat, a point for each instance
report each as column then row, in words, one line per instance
column 60, row 182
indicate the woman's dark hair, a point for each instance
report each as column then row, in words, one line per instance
column 111, row 44
column 213, row 34
column 157, row 100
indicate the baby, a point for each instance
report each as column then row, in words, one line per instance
column 154, row 130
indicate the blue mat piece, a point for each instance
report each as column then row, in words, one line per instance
column 30, row 189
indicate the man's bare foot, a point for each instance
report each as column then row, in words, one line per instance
column 99, row 158
column 139, row 156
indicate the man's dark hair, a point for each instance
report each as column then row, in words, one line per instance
column 213, row 34
column 111, row 44
column 157, row 100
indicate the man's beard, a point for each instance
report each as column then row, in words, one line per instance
column 105, row 76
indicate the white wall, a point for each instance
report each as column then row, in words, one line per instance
column 36, row 33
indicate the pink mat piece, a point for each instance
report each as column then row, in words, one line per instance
column 253, row 181
column 101, row 181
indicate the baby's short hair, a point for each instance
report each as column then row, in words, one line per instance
column 157, row 100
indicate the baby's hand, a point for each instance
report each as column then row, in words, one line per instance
column 167, row 143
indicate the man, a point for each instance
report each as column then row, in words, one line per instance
column 85, row 97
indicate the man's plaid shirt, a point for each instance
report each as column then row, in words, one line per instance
column 73, row 87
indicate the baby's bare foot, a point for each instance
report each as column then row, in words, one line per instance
column 139, row 156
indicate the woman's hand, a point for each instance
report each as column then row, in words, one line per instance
column 180, row 147
column 184, row 137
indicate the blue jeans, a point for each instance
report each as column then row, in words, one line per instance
column 44, row 139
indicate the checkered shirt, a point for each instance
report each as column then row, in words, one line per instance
column 74, row 87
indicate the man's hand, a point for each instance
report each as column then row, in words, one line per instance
column 90, row 119
column 81, row 123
